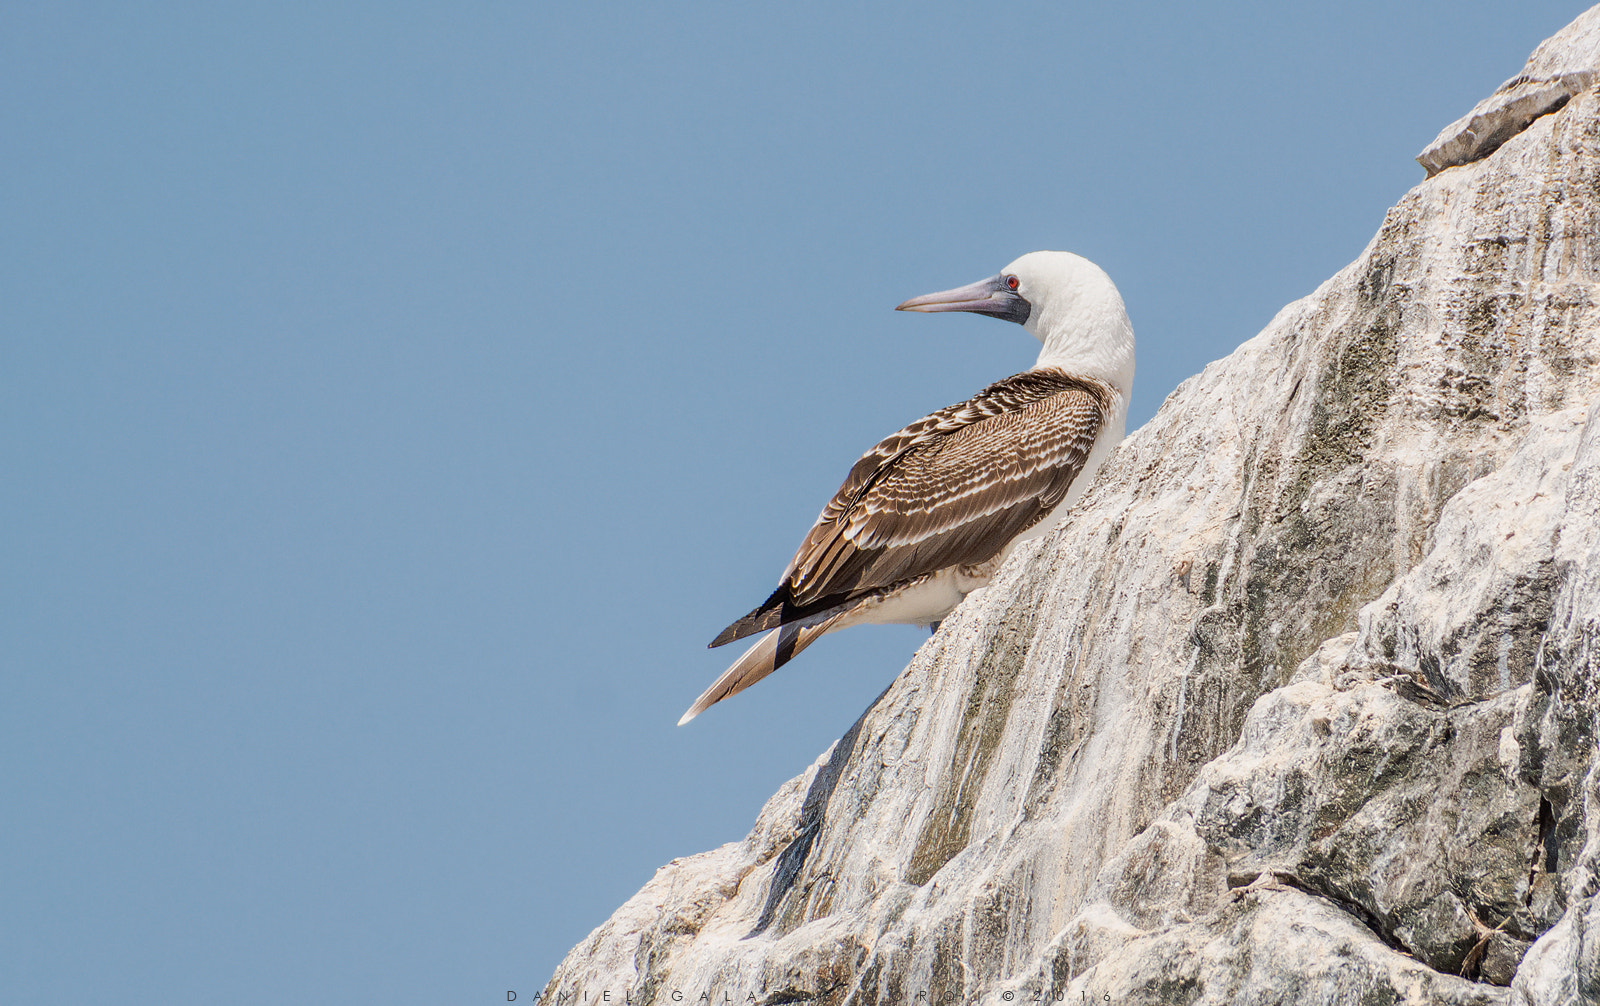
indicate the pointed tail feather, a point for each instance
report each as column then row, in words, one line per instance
column 779, row 610
column 769, row 653
column 767, row 615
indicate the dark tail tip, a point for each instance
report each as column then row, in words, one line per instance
column 768, row 615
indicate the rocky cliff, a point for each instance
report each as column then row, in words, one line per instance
column 1300, row 707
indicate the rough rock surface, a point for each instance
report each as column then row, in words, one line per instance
column 1557, row 70
column 1301, row 707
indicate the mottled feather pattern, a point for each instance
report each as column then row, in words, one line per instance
column 931, row 483
column 951, row 489
column 1002, row 397
column 932, row 495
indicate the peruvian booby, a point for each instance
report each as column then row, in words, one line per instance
column 930, row 513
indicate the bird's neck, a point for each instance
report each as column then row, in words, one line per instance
column 1094, row 340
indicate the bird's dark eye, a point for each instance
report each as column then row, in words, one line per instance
column 1011, row 283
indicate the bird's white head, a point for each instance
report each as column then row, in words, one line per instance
column 1065, row 301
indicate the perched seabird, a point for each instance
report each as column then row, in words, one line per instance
column 930, row 513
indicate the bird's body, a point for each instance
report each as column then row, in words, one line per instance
column 929, row 514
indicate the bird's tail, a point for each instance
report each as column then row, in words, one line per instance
column 769, row 653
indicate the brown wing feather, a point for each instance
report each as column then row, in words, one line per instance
column 950, row 489
column 954, row 499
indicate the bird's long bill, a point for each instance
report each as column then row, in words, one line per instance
column 987, row 296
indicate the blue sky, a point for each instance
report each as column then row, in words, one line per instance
column 394, row 399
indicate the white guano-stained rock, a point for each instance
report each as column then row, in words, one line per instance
column 1300, row 707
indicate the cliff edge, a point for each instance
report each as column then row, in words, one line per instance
column 1300, row 706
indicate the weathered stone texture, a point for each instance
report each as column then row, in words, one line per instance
column 1299, row 708
column 1557, row 70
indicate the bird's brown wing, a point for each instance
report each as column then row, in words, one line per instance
column 951, row 489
